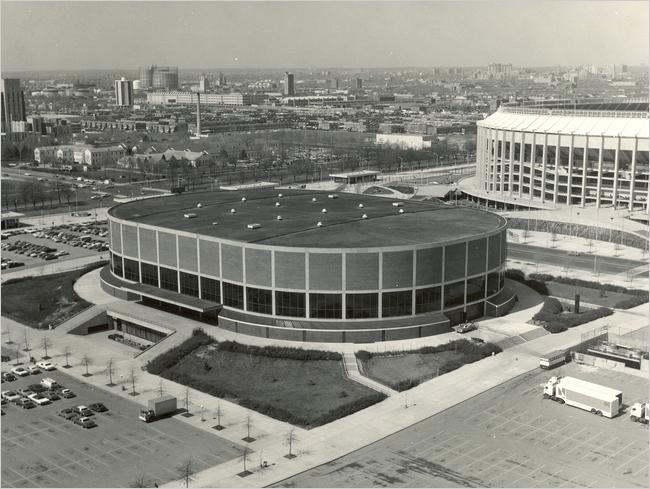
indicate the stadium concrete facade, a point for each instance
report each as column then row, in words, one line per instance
column 309, row 266
column 559, row 153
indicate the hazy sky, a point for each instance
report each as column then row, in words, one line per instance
column 76, row 35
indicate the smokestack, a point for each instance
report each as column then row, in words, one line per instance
column 198, row 114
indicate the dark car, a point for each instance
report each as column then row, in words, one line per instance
column 85, row 422
column 51, row 395
column 26, row 403
column 98, row 407
column 8, row 377
column 68, row 413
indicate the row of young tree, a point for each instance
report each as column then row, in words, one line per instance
column 23, row 194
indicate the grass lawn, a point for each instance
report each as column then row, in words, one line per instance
column 45, row 300
column 591, row 296
column 393, row 370
column 305, row 389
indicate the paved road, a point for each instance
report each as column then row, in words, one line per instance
column 541, row 255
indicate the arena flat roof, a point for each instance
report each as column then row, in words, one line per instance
column 343, row 225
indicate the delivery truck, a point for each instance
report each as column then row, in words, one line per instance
column 591, row 397
column 158, row 408
column 639, row 412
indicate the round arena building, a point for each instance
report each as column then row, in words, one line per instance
column 559, row 153
column 309, row 266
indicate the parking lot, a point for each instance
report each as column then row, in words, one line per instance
column 61, row 242
column 506, row 437
column 42, row 449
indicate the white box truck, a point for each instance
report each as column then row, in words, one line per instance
column 591, row 397
column 158, row 408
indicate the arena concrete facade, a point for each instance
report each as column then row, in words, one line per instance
column 309, row 266
column 558, row 152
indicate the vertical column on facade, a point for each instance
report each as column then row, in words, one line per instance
column 307, row 309
column 531, row 175
column 220, row 274
column 511, row 161
column 178, row 266
column 543, row 194
column 503, row 162
column 480, row 156
column 633, row 177
column 414, row 281
column 584, row 172
column 465, row 275
column 556, row 180
column 198, row 265
column 494, row 135
column 599, row 184
column 343, row 286
column 615, row 184
column 380, row 281
column 273, row 282
column 243, row 276
column 442, row 280
column 520, row 179
column 158, row 257
column 569, row 186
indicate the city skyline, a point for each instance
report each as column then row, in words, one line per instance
column 261, row 35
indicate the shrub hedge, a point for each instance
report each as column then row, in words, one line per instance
column 279, row 351
column 534, row 283
column 171, row 357
column 630, row 302
column 555, row 321
column 544, row 277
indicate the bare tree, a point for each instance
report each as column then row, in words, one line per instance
column 291, row 438
column 17, row 356
column 133, row 378
column 46, row 344
column 140, row 481
column 86, row 361
column 187, row 400
column 27, row 348
column 187, row 470
column 9, row 341
column 244, row 459
column 160, row 388
column 219, row 416
column 110, row 369
column 66, row 352
column 249, row 424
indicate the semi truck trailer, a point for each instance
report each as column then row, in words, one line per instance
column 639, row 412
column 591, row 397
column 158, row 408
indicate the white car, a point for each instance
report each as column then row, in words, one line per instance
column 10, row 396
column 38, row 399
column 45, row 366
column 20, row 371
column 33, row 369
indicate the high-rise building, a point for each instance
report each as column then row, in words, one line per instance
column 333, row 83
column 204, row 83
column 159, row 77
column 358, row 83
column 123, row 92
column 222, row 79
column 13, row 102
column 289, row 88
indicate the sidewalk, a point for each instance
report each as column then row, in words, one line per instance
column 54, row 267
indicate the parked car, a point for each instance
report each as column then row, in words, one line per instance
column 39, row 399
column 20, row 371
column 85, row 422
column 51, row 395
column 26, row 403
column 67, row 393
column 98, row 407
column 8, row 377
column 45, row 365
column 68, row 413
column 11, row 396
column 34, row 370
column 84, row 410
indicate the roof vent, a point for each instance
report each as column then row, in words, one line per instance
column 319, row 223
column 279, row 218
column 280, row 195
column 360, row 206
column 365, row 216
column 233, row 211
column 332, row 196
column 277, row 204
column 199, row 205
column 254, row 225
column 243, row 199
column 401, row 211
column 324, row 211
column 189, row 215
column 313, row 199
column 397, row 204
